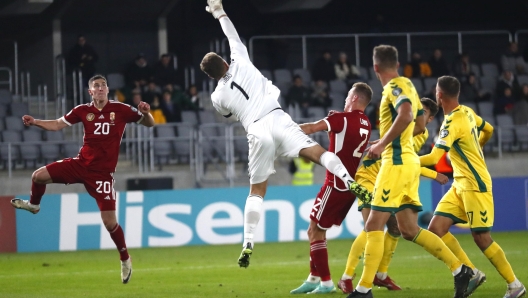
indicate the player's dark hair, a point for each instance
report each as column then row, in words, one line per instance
column 431, row 105
column 450, row 86
column 385, row 56
column 364, row 91
column 213, row 65
column 96, row 77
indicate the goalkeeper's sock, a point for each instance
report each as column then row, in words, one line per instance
column 496, row 255
column 452, row 243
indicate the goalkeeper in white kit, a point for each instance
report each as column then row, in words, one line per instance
column 243, row 92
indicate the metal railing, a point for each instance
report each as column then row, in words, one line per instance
column 9, row 80
column 356, row 37
column 60, row 85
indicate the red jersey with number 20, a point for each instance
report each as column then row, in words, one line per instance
column 349, row 133
column 103, row 131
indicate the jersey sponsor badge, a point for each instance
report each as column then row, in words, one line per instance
column 90, row 116
column 441, row 142
column 444, row 133
column 396, row 91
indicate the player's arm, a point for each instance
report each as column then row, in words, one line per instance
column 433, row 157
column 401, row 122
column 52, row 125
column 237, row 47
column 486, row 131
column 438, row 177
column 147, row 120
column 419, row 123
column 314, row 127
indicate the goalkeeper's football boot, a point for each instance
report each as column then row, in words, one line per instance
column 360, row 295
column 126, row 270
column 346, row 285
column 515, row 292
column 323, row 289
column 386, row 283
column 462, row 281
column 477, row 279
column 306, row 287
column 243, row 260
column 25, row 205
column 360, row 191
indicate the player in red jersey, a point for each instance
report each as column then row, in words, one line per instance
column 349, row 132
column 104, row 123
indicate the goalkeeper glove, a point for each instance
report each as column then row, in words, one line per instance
column 215, row 8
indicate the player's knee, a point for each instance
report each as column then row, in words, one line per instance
column 38, row 177
column 392, row 227
column 482, row 239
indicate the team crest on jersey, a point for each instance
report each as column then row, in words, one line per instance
column 90, row 116
column 444, row 133
column 396, row 91
column 112, row 116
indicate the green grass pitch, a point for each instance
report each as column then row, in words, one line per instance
column 212, row 271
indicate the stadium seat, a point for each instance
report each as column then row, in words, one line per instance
column 472, row 105
column 30, row 152
column 522, row 79
column 372, row 73
column 475, row 69
column 485, row 109
column 429, row 84
column 364, row 73
column 55, row 136
column 19, row 109
column 190, row 117
column 417, row 82
column 71, row 149
column 183, row 145
column 377, row 89
column 115, row 81
column 338, row 86
column 490, row 70
column 316, row 113
column 488, row 83
column 14, row 123
column 162, row 146
column 521, row 132
column 304, row 74
column 10, row 137
column 5, row 97
column 338, row 101
column 267, row 74
column 282, row 75
column 3, row 111
column 505, row 126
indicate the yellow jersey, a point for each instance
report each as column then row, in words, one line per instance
column 399, row 90
column 460, row 131
column 369, row 168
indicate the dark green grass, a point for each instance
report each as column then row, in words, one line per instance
column 212, row 271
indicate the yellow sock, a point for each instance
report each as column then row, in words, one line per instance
column 434, row 245
column 388, row 251
column 373, row 255
column 496, row 255
column 452, row 243
column 356, row 251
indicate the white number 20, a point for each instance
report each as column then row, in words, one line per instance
column 103, row 186
column 363, row 133
column 102, row 128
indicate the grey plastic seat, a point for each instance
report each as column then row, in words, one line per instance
column 338, row 86
column 282, row 75
column 485, row 109
column 30, row 152
column 3, row 110
column 10, row 137
column 521, row 132
column 490, row 70
column 364, row 73
column 488, row 83
column 316, row 113
column 5, row 97
column 19, row 109
column 304, row 74
column 505, row 124
column 190, row 117
column 475, row 69
column 522, row 79
column 115, row 81
column 163, row 147
column 70, row 149
column 429, row 83
column 417, row 82
column 14, row 123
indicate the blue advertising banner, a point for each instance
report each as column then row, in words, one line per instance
column 72, row 221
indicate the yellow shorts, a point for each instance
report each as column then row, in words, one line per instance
column 397, row 188
column 365, row 177
column 468, row 206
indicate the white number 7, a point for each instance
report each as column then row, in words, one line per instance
column 364, row 133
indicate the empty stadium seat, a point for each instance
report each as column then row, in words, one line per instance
column 490, row 70
column 14, row 123
column 304, row 74
column 282, row 75
column 115, row 81
column 19, row 109
column 338, row 86
column 5, row 97
column 267, row 74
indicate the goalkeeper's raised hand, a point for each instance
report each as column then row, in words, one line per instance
column 215, row 8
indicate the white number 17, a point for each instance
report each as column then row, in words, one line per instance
column 363, row 133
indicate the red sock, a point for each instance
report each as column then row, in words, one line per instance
column 319, row 256
column 313, row 270
column 119, row 239
column 37, row 191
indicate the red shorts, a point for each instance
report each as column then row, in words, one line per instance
column 100, row 185
column 331, row 207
